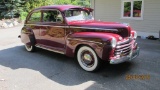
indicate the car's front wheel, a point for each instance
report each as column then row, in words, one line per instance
column 29, row 48
column 88, row 59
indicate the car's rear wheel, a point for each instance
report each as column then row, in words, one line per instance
column 29, row 48
column 88, row 59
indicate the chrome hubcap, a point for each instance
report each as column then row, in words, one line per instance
column 87, row 58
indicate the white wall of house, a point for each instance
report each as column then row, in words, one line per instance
column 110, row 10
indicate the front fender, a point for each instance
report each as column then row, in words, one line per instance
column 99, row 42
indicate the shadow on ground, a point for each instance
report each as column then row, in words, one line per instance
column 59, row 68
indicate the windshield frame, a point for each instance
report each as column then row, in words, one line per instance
column 81, row 16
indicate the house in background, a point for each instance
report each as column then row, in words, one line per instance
column 142, row 15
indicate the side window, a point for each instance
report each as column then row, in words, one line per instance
column 52, row 16
column 35, row 17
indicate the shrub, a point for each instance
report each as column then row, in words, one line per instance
column 23, row 15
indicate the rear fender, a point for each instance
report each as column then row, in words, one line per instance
column 27, row 36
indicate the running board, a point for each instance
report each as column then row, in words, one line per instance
column 50, row 49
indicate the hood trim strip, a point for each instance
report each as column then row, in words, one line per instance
column 84, row 40
column 94, row 28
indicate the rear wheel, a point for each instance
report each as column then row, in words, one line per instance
column 88, row 59
column 29, row 48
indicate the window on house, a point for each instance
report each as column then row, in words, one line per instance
column 132, row 9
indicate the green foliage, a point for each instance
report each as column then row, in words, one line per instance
column 11, row 7
column 127, row 6
column 137, row 5
column 73, row 2
column 0, row 16
column 62, row 2
column 32, row 4
column 23, row 15
column 22, row 7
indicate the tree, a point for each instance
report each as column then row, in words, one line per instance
column 137, row 5
column 60, row 2
column 11, row 7
column 73, row 2
column 31, row 4
column 127, row 6
column 24, row 6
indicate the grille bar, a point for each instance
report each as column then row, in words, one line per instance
column 123, row 49
column 121, row 46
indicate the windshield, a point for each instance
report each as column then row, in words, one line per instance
column 78, row 14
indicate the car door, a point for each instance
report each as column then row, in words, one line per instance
column 52, row 32
column 33, row 23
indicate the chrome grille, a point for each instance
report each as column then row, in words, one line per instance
column 123, row 49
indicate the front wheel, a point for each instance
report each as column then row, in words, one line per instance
column 88, row 59
column 29, row 48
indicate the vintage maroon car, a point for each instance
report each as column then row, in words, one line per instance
column 72, row 30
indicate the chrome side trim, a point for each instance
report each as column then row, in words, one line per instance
column 84, row 40
column 94, row 28
column 48, row 25
column 75, row 27
column 49, row 49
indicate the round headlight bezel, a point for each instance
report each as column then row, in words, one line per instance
column 135, row 35
column 113, row 42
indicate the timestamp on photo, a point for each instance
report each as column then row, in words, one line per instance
column 137, row 77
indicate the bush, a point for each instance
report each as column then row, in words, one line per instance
column 1, row 17
column 23, row 15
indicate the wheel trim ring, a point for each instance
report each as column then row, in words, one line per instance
column 28, row 47
column 96, row 62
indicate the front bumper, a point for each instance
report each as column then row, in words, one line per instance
column 133, row 54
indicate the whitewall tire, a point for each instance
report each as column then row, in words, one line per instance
column 29, row 48
column 88, row 59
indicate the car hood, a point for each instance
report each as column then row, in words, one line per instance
column 123, row 30
column 97, row 24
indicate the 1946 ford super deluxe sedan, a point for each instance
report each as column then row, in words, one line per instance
column 72, row 30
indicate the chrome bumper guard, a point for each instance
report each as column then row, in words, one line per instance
column 131, row 56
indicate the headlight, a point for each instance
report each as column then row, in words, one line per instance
column 135, row 35
column 113, row 42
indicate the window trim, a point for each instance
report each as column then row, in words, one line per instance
column 132, row 18
column 30, row 14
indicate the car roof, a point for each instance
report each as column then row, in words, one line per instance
column 59, row 7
